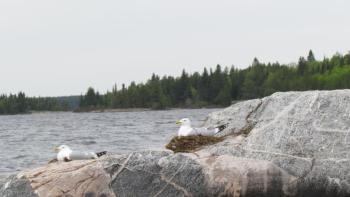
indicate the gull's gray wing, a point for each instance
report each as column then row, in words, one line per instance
column 209, row 131
column 82, row 155
column 204, row 131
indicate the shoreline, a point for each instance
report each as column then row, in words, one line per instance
column 111, row 110
column 141, row 109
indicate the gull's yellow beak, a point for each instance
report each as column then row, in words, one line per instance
column 178, row 122
column 56, row 149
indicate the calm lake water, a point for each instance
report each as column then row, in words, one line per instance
column 28, row 140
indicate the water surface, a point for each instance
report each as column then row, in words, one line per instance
column 27, row 140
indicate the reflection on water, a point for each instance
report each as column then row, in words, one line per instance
column 28, row 140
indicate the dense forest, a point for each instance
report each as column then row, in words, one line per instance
column 19, row 103
column 219, row 87
column 212, row 87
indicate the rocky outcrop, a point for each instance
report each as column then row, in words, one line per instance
column 152, row 174
column 304, row 133
column 287, row 144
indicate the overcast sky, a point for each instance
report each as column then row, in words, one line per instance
column 62, row 47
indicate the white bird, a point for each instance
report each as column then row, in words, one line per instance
column 64, row 153
column 186, row 129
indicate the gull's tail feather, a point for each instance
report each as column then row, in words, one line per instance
column 221, row 127
column 99, row 154
column 53, row 160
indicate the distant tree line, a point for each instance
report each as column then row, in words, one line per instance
column 219, row 87
column 211, row 87
column 19, row 103
column 13, row 103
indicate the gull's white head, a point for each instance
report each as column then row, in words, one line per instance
column 62, row 148
column 184, row 122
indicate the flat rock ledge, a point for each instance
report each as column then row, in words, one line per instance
column 287, row 144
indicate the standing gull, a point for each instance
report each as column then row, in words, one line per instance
column 186, row 129
column 64, row 153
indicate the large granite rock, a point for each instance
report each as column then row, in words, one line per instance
column 287, row 144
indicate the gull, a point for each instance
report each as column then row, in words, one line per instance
column 186, row 129
column 64, row 153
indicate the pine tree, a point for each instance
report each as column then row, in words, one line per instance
column 301, row 66
column 311, row 57
column 203, row 88
column 22, row 106
column 224, row 97
column 255, row 62
column 90, row 97
column 217, row 83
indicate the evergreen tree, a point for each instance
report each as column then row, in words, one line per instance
column 224, row 96
column 204, row 86
column 311, row 57
column 301, row 66
column 90, row 97
column 217, row 83
column 22, row 105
